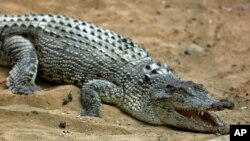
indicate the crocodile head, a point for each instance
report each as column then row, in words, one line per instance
column 185, row 104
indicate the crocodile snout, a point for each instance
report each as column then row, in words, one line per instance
column 222, row 104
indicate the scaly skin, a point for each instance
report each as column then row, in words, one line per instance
column 107, row 67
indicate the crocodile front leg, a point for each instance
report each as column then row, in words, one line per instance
column 23, row 59
column 95, row 91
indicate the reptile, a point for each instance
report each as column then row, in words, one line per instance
column 107, row 67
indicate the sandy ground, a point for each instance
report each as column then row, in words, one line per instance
column 166, row 29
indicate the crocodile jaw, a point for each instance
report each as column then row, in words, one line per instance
column 193, row 119
column 203, row 121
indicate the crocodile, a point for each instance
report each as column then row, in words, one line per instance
column 107, row 67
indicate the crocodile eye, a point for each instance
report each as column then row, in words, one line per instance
column 147, row 67
column 181, row 91
column 172, row 89
column 169, row 86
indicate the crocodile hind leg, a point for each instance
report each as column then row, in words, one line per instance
column 23, row 59
column 95, row 91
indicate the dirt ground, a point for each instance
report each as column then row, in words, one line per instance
column 220, row 29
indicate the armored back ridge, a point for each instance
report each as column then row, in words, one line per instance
column 106, row 67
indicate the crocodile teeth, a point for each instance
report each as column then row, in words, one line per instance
column 202, row 113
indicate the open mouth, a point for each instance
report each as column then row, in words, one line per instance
column 204, row 117
column 200, row 117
